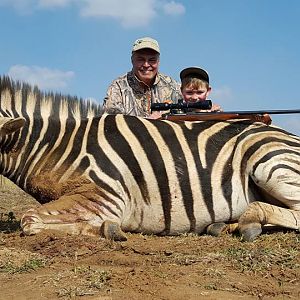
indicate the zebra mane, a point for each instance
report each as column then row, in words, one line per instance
column 17, row 94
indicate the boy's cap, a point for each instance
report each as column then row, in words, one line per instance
column 194, row 72
column 145, row 42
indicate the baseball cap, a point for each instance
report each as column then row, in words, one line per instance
column 194, row 72
column 145, row 42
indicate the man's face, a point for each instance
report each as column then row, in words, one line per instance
column 145, row 64
column 194, row 95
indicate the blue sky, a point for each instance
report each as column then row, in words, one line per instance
column 249, row 47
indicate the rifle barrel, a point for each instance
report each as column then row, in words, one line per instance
column 254, row 115
column 259, row 112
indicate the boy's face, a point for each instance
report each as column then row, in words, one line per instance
column 191, row 94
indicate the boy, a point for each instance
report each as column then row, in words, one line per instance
column 195, row 86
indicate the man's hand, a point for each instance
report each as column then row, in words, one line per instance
column 155, row 115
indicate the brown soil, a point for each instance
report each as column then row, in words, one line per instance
column 55, row 266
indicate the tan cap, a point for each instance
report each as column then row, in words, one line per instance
column 194, row 72
column 145, row 42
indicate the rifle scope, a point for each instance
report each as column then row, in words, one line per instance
column 205, row 104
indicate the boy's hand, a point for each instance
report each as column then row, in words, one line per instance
column 216, row 107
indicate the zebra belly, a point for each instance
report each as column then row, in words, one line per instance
column 150, row 219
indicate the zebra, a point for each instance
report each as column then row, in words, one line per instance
column 105, row 175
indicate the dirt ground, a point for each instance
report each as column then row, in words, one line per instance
column 55, row 266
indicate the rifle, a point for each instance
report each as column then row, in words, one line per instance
column 181, row 107
column 183, row 111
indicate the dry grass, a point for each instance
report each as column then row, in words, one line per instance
column 5, row 183
column 13, row 261
column 80, row 281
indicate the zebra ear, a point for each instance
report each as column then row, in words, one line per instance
column 9, row 125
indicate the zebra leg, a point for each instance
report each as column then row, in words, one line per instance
column 216, row 229
column 259, row 214
column 73, row 214
column 112, row 231
column 278, row 177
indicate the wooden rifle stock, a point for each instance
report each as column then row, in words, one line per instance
column 255, row 116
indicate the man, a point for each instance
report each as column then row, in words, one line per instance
column 133, row 93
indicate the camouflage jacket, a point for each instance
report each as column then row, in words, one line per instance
column 128, row 95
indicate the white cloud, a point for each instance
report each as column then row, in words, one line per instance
column 29, row 6
column 130, row 13
column 44, row 78
column 173, row 8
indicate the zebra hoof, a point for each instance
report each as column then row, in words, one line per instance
column 164, row 232
column 250, row 233
column 112, row 231
column 31, row 223
column 216, row 229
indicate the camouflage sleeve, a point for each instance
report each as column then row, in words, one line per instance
column 113, row 101
column 176, row 94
